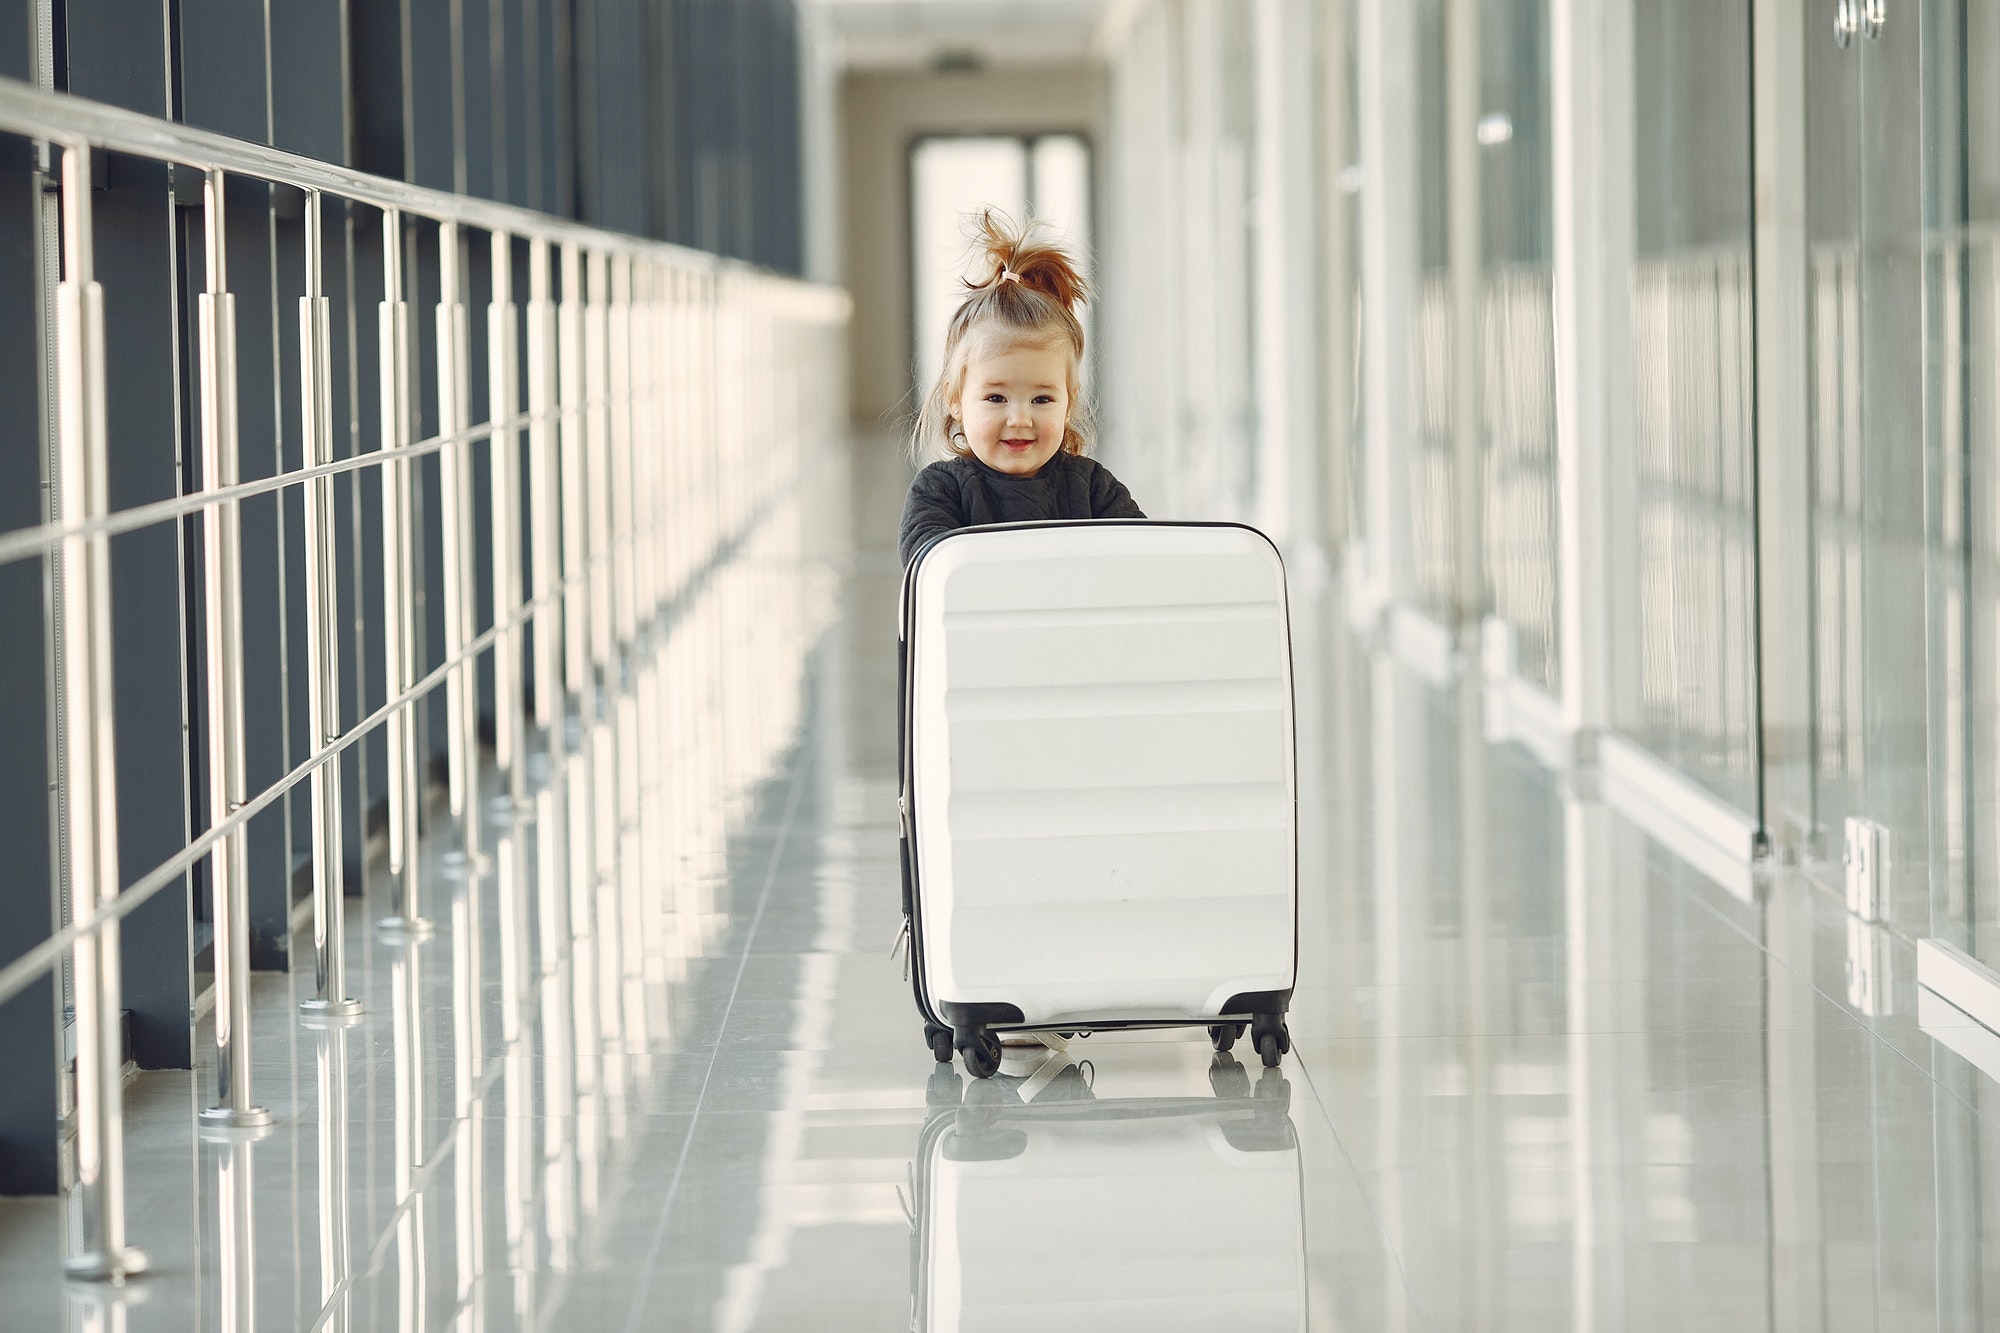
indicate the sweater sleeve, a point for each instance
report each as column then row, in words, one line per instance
column 1109, row 498
column 932, row 507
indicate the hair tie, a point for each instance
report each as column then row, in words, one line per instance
column 1008, row 274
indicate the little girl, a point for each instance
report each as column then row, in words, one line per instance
column 1004, row 418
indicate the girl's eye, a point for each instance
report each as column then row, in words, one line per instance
column 996, row 398
column 1044, row 398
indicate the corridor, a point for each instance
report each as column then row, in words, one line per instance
column 656, row 1070
column 449, row 683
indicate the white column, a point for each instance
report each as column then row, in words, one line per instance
column 1386, row 76
column 1403, row 799
column 1792, row 1090
column 1485, row 1197
column 1604, row 970
column 1590, row 82
column 1215, row 304
column 1468, row 307
column 1150, row 323
column 1287, row 320
column 1335, row 152
column 1784, row 534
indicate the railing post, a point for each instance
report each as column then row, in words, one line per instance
column 555, row 953
column 331, row 1067
column 575, row 543
column 653, row 439
column 82, row 612
column 644, row 425
column 398, row 588
column 330, row 998
column 650, row 841
column 468, row 976
column 597, row 522
column 454, row 391
column 503, row 401
column 625, row 755
column 544, row 517
column 236, row 1232
column 619, row 385
column 520, row 1197
column 632, row 753
column 223, row 586
column 678, row 452
column 408, row 1051
column 723, row 411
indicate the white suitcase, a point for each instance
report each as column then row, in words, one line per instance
column 1099, row 815
column 1135, row 1215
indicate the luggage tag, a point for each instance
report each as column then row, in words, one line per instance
column 901, row 946
column 1053, row 1064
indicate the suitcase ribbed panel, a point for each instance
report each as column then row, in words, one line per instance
column 1103, row 769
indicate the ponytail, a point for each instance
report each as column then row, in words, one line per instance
column 1027, row 296
column 1027, row 256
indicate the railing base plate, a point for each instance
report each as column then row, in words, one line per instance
column 105, row 1265
column 225, row 1117
column 413, row 927
column 317, row 1009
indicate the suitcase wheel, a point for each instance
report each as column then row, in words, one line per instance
column 981, row 1051
column 1228, row 1078
column 1273, row 1039
column 939, row 1040
column 1224, row 1035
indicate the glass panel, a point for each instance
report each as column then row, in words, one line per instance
column 1867, row 456
column 1688, row 684
column 1833, row 176
column 1518, row 379
column 1961, row 201
column 1222, row 209
column 1433, row 522
column 1340, row 271
column 1895, row 471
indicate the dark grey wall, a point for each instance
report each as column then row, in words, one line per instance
column 27, row 909
column 723, row 126
column 670, row 118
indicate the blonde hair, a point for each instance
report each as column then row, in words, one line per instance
column 1027, row 298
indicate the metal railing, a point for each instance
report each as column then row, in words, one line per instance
column 664, row 395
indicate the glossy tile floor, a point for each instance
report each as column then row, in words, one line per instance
column 656, row 1070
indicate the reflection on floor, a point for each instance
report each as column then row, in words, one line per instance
column 656, row 1070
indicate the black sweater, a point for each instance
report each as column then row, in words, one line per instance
column 965, row 493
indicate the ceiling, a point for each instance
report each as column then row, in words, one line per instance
column 947, row 34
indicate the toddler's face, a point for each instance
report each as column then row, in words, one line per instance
column 1013, row 407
